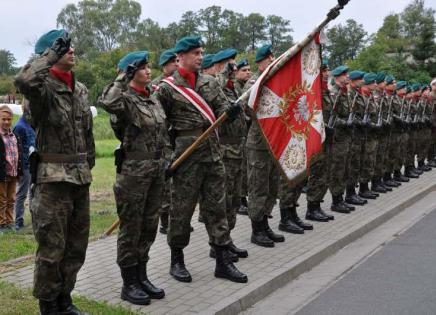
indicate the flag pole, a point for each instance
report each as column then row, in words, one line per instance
column 274, row 67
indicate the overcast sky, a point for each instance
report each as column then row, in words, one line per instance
column 23, row 21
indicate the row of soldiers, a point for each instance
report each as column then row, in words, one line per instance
column 155, row 124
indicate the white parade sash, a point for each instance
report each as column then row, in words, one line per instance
column 194, row 98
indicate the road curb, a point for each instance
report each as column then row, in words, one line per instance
column 258, row 290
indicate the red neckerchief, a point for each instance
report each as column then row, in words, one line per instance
column 324, row 85
column 230, row 85
column 389, row 93
column 415, row 99
column 65, row 77
column 142, row 91
column 366, row 93
column 189, row 76
column 344, row 89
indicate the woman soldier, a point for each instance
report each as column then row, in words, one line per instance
column 138, row 121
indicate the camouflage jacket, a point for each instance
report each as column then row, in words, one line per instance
column 342, row 108
column 357, row 103
column 327, row 104
column 185, row 118
column 255, row 138
column 239, row 86
column 62, row 121
column 139, row 123
column 232, row 133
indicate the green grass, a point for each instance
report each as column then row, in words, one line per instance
column 105, row 148
column 16, row 301
column 101, row 126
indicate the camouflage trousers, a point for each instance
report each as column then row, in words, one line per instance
column 424, row 142
column 339, row 155
column 191, row 182
column 289, row 195
column 404, row 147
column 263, row 183
column 381, row 155
column 317, row 181
column 432, row 147
column 166, row 199
column 369, row 154
column 394, row 150
column 244, row 186
column 234, row 178
column 138, row 200
column 60, row 220
column 411, row 147
column 355, row 157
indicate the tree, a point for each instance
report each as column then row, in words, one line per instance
column 278, row 32
column 211, row 23
column 256, row 29
column 7, row 62
column 345, row 42
column 100, row 25
column 189, row 24
column 232, row 33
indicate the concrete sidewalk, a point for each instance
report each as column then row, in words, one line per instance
column 267, row 268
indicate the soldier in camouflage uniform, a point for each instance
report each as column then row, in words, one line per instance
column 424, row 127
column 168, row 62
column 202, row 173
column 61, row 170
column 318, row 181
column 341, row 143
column 241, row 77
column 139, row 123
column 369, row 124
column 412, row 126
column 232, row 135
column 431, row 155
column 377, row 185
column 393, row 145
column 357, row 105
column 263, row 173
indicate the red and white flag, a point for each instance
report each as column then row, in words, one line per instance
column 289, row 110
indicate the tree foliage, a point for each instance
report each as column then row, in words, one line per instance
column 7, row 62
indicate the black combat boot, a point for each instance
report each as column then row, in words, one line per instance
column 389, row 181
column 417, row 170
column 423, row 167
column 163, row 223
column 338, row 205
column 352, row 198
column 243, row 208
column 178, row 269
column 233, row 257
column 410, row 173
column 377, row 187
column 66, row 306
column 277, row 238
column 132, row 290
column 313, row 213
column 364, row 191
column 293, row 216
column 147, row 286
column 387, row 187
column 225, row 268
column 258, row 235
column 48, row 307
column 286, row 225
column 240, row 252
column 399, row 177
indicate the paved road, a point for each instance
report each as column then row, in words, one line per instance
column 399, row 279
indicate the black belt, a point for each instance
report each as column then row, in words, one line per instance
column 62, row 158
column 156, row 155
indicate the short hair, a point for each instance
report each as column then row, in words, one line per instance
column 6, row 108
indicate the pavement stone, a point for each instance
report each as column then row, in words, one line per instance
column 267, row 268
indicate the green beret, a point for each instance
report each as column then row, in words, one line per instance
column 389, row 79
column 166, row 57
column 356, row 75
column 188, row 43
column 263, row 52
column 415, row 87
column 339, row 70
column 401, row 85
column 380, row 77
column 324, row 64
column 224, row 54
column 207, row 61
column 47, row 40
column 242, row 63
column 134, row 58
column 370, row 78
